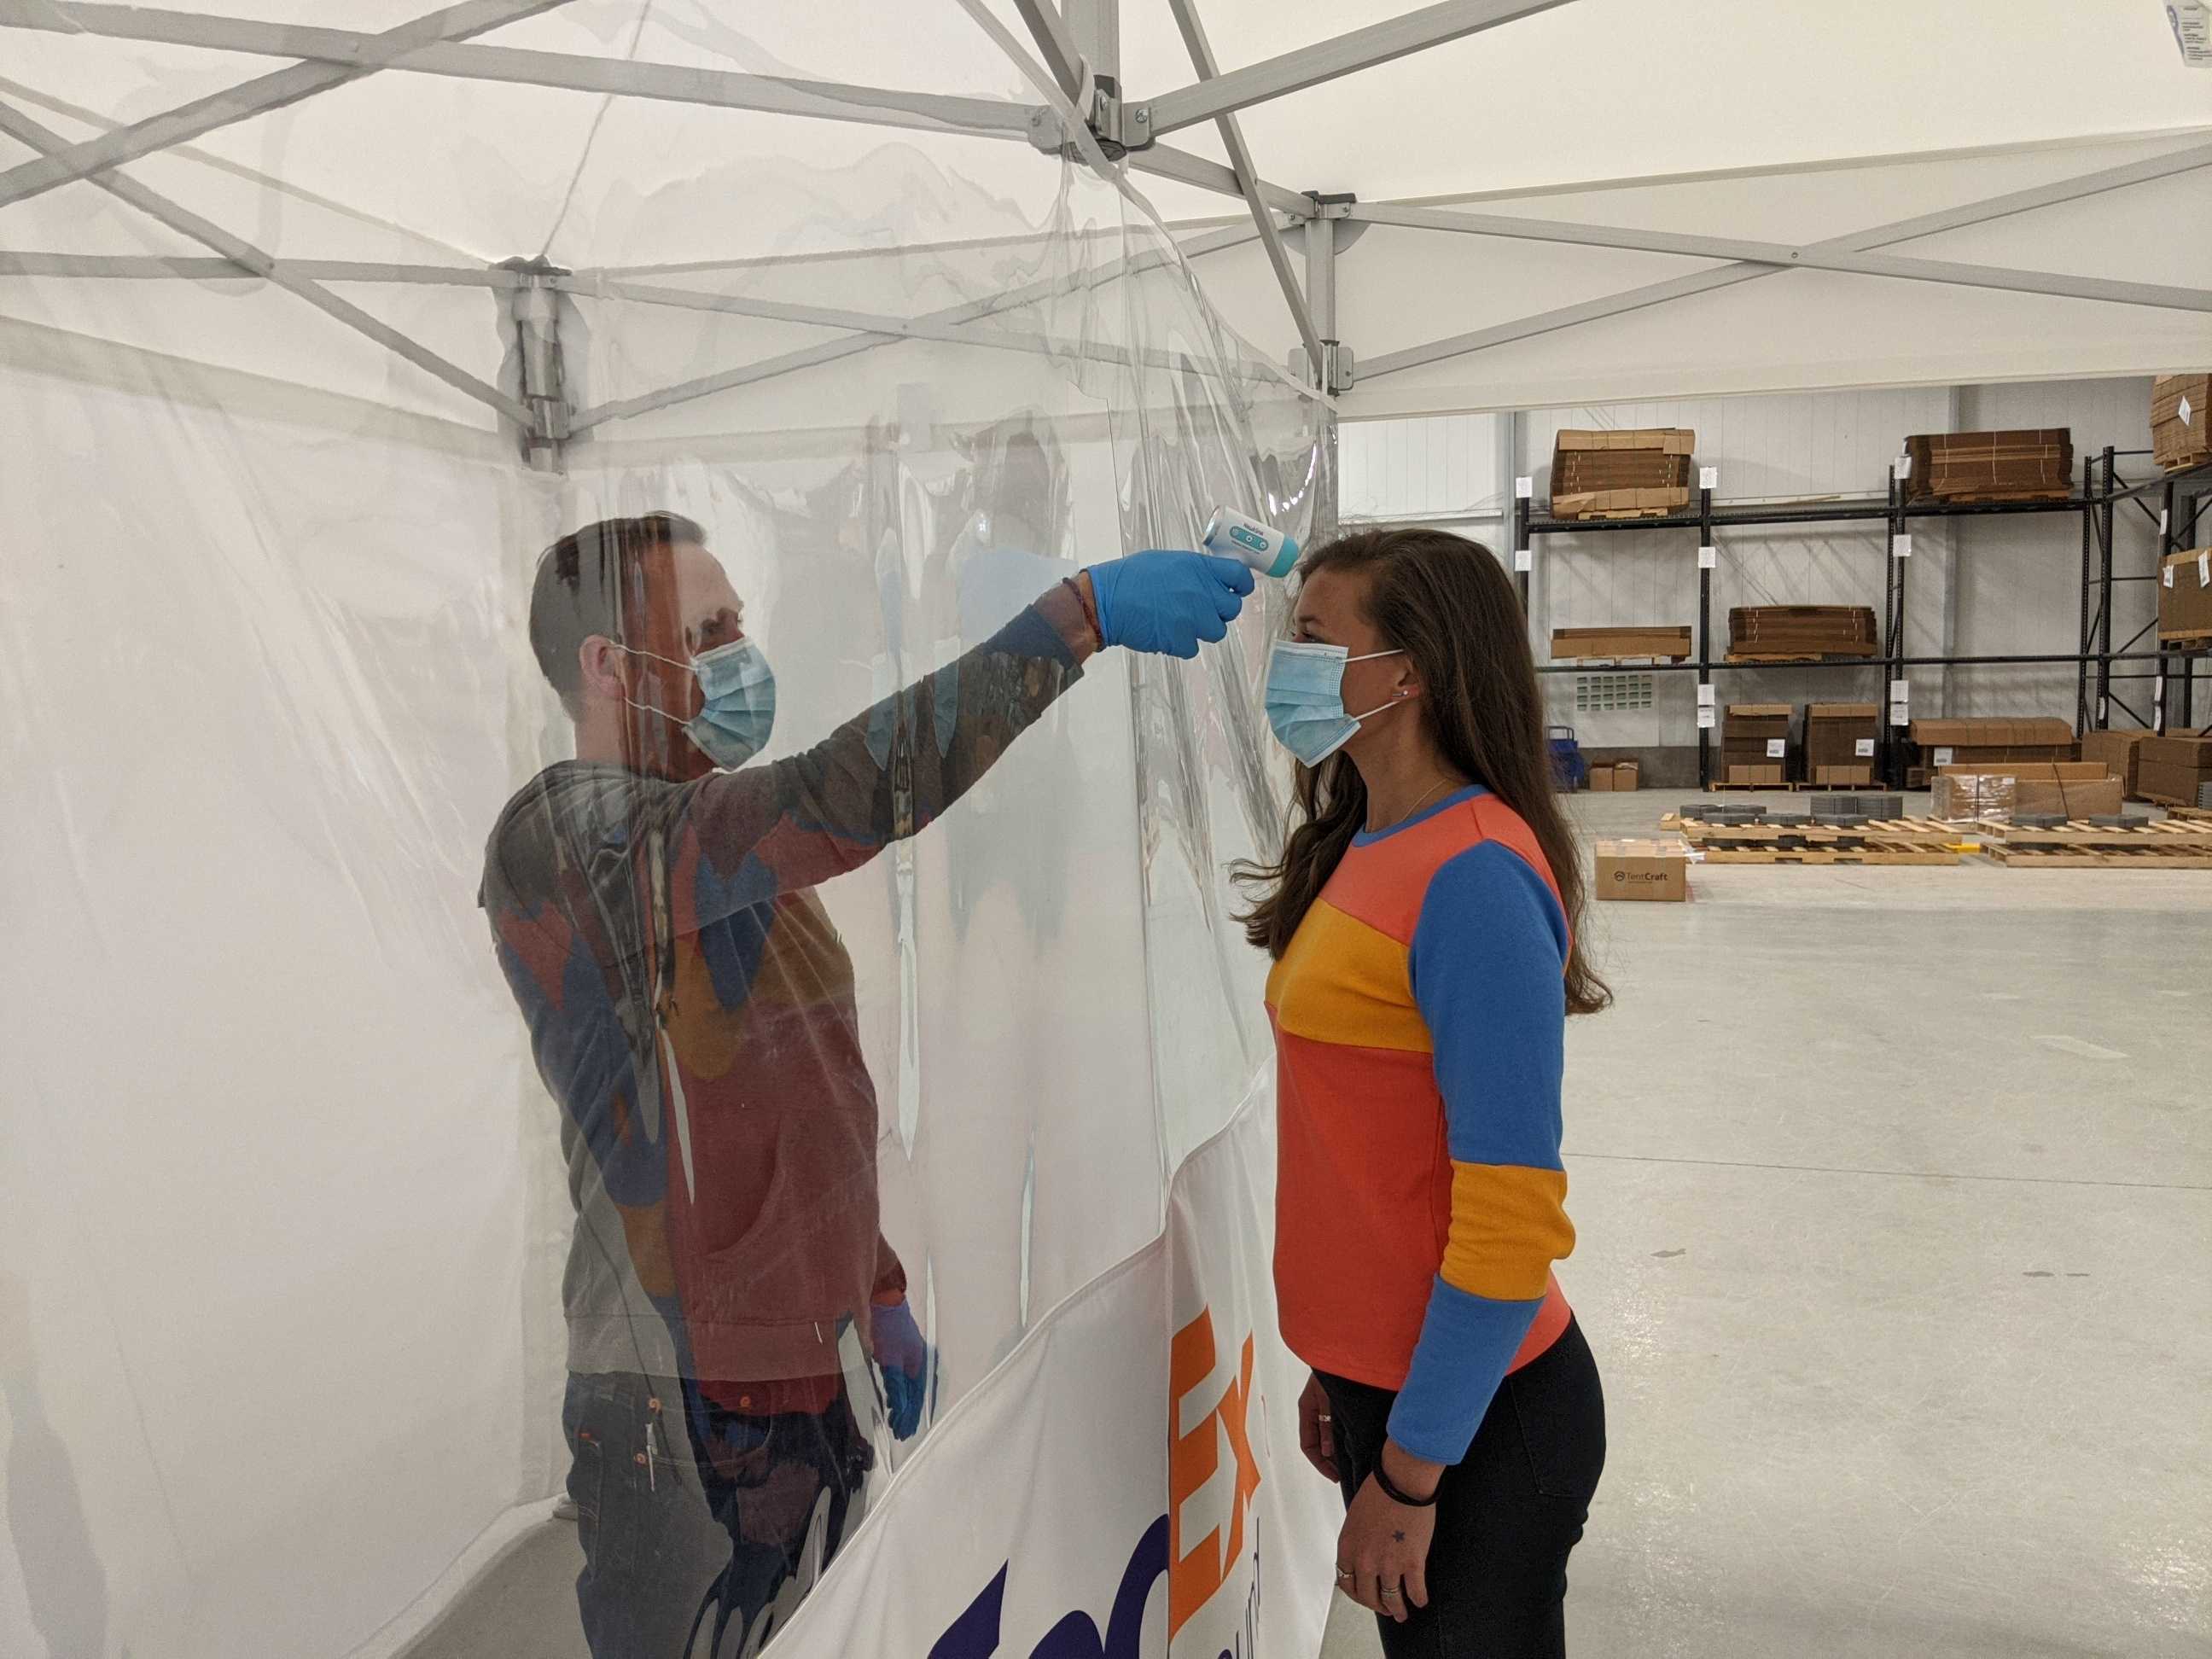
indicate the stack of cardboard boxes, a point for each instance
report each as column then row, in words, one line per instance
column 1616, row 775
column 2181, row 420
column 2072, row 789
column 1981, row 743
column 2172, row 770
column 1839, row 744
column 2118, row 753
column 1755, row 744
column 1990, row 466
column 1621, row 475
column 2185, row 598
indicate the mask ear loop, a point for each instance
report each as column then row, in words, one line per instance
column 1383, row 708
column 635, row 651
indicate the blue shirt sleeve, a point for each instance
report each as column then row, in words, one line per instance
column 1487, row 964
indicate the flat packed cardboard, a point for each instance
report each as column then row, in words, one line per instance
column 1839, row 740
column 2117, row 752
column 1801, row 630
column 1569, row 644
column 2178, row 443
column 2184, row 596
column 1999, row 797
column 1991, row 466
column 2042, row 771
column 1640, row 473
column 1993, row 742
column 2171, row 770
column 1653, row 871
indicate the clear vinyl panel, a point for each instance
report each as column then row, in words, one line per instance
column 634, row 963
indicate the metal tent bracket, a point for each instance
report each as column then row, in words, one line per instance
column 534, row 310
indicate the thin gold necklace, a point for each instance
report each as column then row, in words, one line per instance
column 1442, row 784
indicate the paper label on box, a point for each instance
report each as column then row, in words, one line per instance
column 2187, row 413
column 1709, row 558
column 1777, row 748
column 1524, row 558
column 1903, row 470
column 1942, row 757
column 2167, row 575
column 1706, row 713
column 1900, row 547
column 1863, row 749
column 1709, row 477
column 1705, row 696
column 1524, row 488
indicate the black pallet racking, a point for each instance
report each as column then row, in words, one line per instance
column 2182, row 497
column 2101, row 491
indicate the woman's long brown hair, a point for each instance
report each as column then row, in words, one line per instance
column 1446, row 602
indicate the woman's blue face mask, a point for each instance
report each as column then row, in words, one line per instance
column 738, row 711
column 1304, row 697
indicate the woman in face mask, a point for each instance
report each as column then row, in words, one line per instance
column 1423, row 920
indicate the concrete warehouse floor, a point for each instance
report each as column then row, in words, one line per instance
column 1894, row 1189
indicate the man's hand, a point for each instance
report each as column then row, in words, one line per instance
column 1168, row 603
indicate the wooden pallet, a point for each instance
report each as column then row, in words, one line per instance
column 1622, row 515
column 2191, row 814
column 1776, row 660
column 1886, row 854
column 1913, row 830
column 2167, row 836
column 2177, row 807
column 1618, row 662
column 2038, row 858
column 2193, row 637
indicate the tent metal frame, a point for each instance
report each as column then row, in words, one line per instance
column 1077, row 42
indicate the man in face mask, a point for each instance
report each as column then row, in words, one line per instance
column 691, row 1009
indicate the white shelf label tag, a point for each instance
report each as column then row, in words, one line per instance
column 1709, row 558
column 1705, row 696
column 1777, row 748
column 1900, row 691
column 2161, row 522
column 1863, row 749
column 2187, row 413
column 2167, row 575
column 1524, row 558
column 2104, row 711
column 2204, row 568
column 1903, row 470
column 1900, row 546
column 1900, row 716
column 1942, row 757
column 1706, row 713
column 1709, row 477
column 1524, row 488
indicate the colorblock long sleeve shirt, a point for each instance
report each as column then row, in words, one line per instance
column 1420, row 1015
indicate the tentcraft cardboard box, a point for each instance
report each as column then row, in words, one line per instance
column 2185, row 595
column 1653, row 871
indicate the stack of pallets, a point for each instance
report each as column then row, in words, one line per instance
column 2173, row 843
column 1790, row 840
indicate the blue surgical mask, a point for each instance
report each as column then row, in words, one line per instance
column 738, row 715
column 1304, row 698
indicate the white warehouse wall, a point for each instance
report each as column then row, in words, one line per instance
column 1974, row 586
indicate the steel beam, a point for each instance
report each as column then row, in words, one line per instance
column 1326, row 60
column 715, row 89
column 1248, row 182
column 1094, row 26
column 1166, row 162
column 1784, row 256
column 253, row 261
column 1675, row 287
column 142, row 266
column 1053, row 43
column 255, row 97
column 832, row 351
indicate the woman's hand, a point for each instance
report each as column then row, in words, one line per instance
column 1383, row 1553
column 1316, row 1428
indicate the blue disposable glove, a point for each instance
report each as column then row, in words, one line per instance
column 905, row 1359
column 1168, row 603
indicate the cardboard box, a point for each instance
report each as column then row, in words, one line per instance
column 1643, row 473
column 2181, row 420
column 1990, row 743
column 1669, row 643
column 2184, row 596
column 1990, row 466
column 2041, row 771
column 1627, row 774
column 1840, row 739
column 2117, row 752
column 2172, row 769
column 1653, row 871
column 1755, row 743
column 1999, row 797
column 1757, row 775
column 1600, row 779
column 1802, row 630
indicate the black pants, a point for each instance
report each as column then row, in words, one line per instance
column 1508, row 1513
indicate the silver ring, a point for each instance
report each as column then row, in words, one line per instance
column 1346, row 1572
column 1391, row 1595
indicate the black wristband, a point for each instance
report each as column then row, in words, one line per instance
column 1390, row 1490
